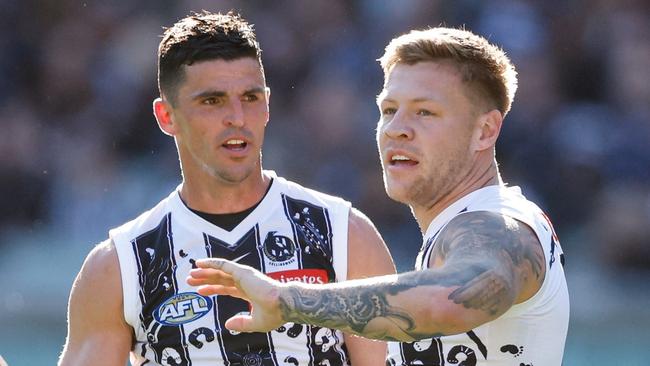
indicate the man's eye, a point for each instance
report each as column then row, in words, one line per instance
column 209, row 101
column 424, row 112
column 386, row 111
column 251, row 98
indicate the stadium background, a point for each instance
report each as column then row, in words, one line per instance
column 80, row 151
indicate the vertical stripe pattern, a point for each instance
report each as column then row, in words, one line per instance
column 154, row 251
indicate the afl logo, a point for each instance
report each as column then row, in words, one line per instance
column 278, row 248
column 182, row 308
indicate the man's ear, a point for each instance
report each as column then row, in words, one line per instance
column 267, row 91
column 162, row 110
column 488, row 129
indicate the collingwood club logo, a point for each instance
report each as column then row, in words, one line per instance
column 279, row 248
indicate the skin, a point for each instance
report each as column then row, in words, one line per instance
column 483, row 262
column 218, row 101
column 97, row 331
column 428, row 116
column 364, row 241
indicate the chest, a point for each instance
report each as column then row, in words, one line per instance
column 293, row 242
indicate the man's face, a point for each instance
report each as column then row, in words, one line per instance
column 220, row 114
column 424, row 132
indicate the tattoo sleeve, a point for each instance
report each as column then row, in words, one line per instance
column 484, row 259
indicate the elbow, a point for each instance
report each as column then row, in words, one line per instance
column 447, row 319
column 444, row 317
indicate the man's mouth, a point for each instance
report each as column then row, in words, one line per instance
column 235, row 144
column 401, row 160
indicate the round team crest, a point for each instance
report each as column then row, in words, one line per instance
column 278, row 248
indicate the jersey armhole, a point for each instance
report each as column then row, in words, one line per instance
column 340, row 222
column 128, row 274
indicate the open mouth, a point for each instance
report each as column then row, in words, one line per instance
column 401, row 160
column 235, row 145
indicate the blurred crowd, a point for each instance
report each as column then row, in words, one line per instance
column 80, row 151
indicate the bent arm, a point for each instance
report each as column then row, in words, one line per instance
column 483, row 263
column 368, row 256
column 97, row 331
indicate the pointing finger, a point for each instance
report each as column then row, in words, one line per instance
column 220, row 264
column 208, row 290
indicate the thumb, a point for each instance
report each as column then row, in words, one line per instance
column 241, row 323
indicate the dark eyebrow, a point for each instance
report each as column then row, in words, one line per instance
column 416, row 100
column 219, row 93
column 209, row 94
column 420, row 100
column 256, row 90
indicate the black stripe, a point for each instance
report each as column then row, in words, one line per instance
column 312, row 229
column 172, row 256
column 313, row 234
column 134, row 244
column 441, row 353
column 156, row 265
column 239, row 349
column 478, row 342
column 215, row 308
column 285, row 204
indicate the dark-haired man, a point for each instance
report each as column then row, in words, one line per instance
column 130, row 295
column 489, row 288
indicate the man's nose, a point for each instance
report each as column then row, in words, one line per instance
column 235, row 115
column 398, row 127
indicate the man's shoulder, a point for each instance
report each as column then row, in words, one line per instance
column 488, row 234
column 103, row 254
column 101, row 266
column 502, row 199
column 298, row 191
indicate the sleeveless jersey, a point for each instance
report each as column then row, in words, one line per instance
column 294, row 234
column 531, row 333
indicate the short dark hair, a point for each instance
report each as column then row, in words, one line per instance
column 483, row 66
column 199, row 37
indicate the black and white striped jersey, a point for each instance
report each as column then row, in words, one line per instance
column 531, row 333
column 294, row 234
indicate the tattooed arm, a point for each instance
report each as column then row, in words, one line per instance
column 483, row 263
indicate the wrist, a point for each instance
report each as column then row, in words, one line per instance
column 287, row 296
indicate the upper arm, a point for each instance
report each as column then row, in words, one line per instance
column 367, row 253
column 482, row 263
column 491, row 261
column 97, row 331
column 367, row 256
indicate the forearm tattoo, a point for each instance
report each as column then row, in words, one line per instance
column 349, row 310
column 482, row 255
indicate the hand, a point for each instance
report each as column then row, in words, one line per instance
column 217, row 276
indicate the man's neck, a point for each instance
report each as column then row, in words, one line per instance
column 476, row 180
column 212, row 195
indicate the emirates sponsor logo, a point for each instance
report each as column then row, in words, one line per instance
column 309, row 276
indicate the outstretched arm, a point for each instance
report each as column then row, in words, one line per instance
column 482, row 265
column 97, row 332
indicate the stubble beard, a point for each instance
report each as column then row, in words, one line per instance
column 233, row 176
column 429, row 187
